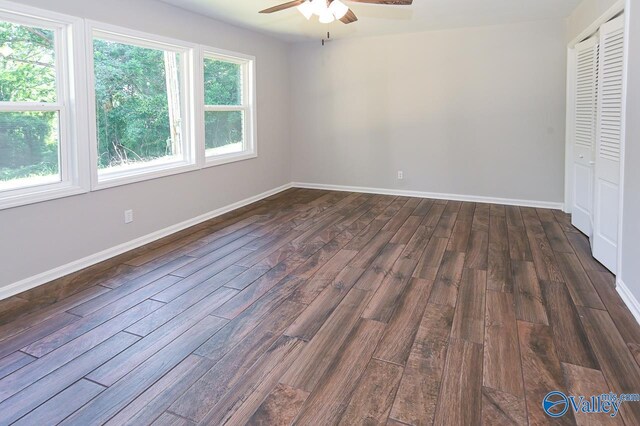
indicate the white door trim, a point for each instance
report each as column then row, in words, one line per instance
column 610, row 13
column 569, row 130
column 623, row 132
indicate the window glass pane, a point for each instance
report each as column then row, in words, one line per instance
column 222, row 83
column 224, row 132
column 29, row 149
column 138, row 104
column 27, row 64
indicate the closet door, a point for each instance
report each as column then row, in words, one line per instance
column 608, row 142
column 584, row 133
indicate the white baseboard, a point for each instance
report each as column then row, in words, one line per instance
column 434, row 195
column 28, row 283
column 629, row 299
column 42, row 278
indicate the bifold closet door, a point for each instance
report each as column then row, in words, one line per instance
column 584, row 134
column 608, row 143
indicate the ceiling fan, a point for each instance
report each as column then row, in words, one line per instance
column 330, row 10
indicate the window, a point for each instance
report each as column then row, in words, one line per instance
column 36, row 148
column 228, row 111
column 150, row 109
column 142, row 107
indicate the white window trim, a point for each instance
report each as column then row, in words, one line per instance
column 248, row 63
column 71, row 105
column 155, row 169
column 79, row 167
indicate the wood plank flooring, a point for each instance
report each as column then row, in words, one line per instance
column 318, row 307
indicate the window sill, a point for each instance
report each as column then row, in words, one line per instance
column 18, row 198
column 39, row 194
column 110, row 180
column 229, row 158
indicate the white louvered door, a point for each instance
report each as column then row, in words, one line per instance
column 608, row 143
column 584, row 133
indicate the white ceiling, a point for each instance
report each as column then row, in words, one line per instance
column 423, row 15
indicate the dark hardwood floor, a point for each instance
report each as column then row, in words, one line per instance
column 317, row 307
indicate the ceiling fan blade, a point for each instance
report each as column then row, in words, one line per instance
column 391, row 2
column 349, row 17
column 283, row 6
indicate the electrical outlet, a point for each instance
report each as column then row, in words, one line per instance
column 128, row 216
column 400, row 175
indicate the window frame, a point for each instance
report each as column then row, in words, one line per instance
column 78, row 144
column 158, row 169
column 248, row 107
column 70, row 105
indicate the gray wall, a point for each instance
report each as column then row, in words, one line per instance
column 39, row 237
column 476, row 111
column 630, row 271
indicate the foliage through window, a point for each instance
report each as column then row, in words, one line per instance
column 227, row 112
column 139, row 113
column 30, row 108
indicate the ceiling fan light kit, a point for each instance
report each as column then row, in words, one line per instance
column 328, row 11
column 306, row 9
column 326, row 17
column 338, row 9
